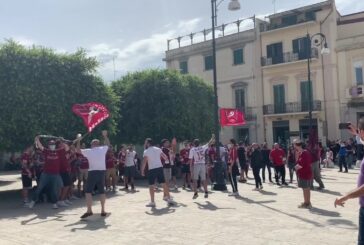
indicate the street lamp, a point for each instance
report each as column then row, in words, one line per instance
column 319, row 40
column 218, row 168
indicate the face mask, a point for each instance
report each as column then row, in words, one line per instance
column 52, row 147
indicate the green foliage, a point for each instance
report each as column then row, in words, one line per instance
column 38, row 89
column 163, row 104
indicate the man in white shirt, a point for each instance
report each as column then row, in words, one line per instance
column 130, row 168
column 198, row 165
column 152, row 157
column 96, row 157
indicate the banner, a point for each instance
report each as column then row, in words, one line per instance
column 92, row 113
column 231, row 117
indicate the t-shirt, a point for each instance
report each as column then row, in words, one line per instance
column 25, row 159
column 305, row 161
column 166, row 163
column 110, row 162
column 361, row 182
column 184, row 153
column 241, row 154
column 65, row 165
column 96, row 157
column 212, row 154
column 52, row 160
column 197, row 154
column 154, row 157
column 83, row 162
column 233, row 155
column 130, row 158
column 277, row 156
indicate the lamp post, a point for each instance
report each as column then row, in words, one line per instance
column 219, row 177
column 319, row 40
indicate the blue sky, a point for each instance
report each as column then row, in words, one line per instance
column 132, row 34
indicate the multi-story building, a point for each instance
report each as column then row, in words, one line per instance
column 238, row 71
column 350, row 51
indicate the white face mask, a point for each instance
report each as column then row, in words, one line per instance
column 52, row 147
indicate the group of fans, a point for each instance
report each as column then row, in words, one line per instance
column 65, row 169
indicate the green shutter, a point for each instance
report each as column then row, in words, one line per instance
column 279, row 98
column 208, row 63
column 238, row 56
column 306, row 95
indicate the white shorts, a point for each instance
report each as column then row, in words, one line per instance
column 199, row 170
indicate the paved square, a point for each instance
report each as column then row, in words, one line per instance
column 268, row 217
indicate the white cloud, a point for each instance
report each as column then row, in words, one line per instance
column 139, row 54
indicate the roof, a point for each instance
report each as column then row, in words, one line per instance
column 302, row 9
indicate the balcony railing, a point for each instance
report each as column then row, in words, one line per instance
column 288, row 57
column 249, row 115
column 292, row 107
column 273, row 26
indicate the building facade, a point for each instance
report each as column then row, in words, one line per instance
column 264, row 72
column 238, row 72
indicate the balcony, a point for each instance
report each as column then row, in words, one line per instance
column 295, row 21
column 288, row 57
column 292, row 107
column 249, row 115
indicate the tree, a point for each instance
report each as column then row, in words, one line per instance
column 163, row 104
column 38, row 89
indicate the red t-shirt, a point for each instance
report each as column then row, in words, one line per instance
column 233, row 155
column 212, row 153
column 184, row 153
column 25, row 160
column 83, row 161
column 65, row 166
column 110, row 162
column 305, row 161
column 277, row 155
column 52, row 161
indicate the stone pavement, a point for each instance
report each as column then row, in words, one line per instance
column 268, row 217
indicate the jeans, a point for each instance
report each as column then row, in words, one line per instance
column 361, row 227
column 52, row 183
column 280, row 172
column 317, row 174
column 267, row 165
column 342, row 162
column 234, row 182
column 258, row 180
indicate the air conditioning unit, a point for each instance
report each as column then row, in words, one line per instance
column 355, row 92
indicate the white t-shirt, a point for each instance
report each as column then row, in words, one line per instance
column 96, row 157
column 130, row 158
column 198, row 154
column 154, row 157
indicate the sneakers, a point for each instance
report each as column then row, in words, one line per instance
column 256, row 189
column 55, row 206
column 68, row 202
column 195, row 195
column 171, row 202
column 62, row 204
column 285, row 183
column 151, row 205
column 206, row 195
column 234, row 194
column 305, row 205
column 261, row 187
column 74, row 198
column 31, row 204
column 176, row 188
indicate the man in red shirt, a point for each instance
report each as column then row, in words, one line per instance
column 278, row 158
column 83, row 171
column 65, row 170
column 233, row 167
column 50, row 177
column 110, row 170
column 26, row 174
column 304, row 173
column 186, row 173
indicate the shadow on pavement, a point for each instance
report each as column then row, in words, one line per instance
column 209, row 206
column 325, row 191
column 268, row 193
column 324, row 212
column 160, row 211
column 343, row 223
column 93, row 223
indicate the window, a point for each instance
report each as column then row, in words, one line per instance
column 208, row 63
column 183, row 67
column 289, row 20
column 279, row 98
column 300, row 47
column 238, row 56
column 275, row 52
column 306, row 95
column 240, row 99
column 359, row 75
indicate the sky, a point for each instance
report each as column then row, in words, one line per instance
column 126, row 35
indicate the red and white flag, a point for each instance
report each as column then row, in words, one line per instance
column 231, row 117
column 92, row 113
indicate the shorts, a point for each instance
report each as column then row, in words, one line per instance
column 291, row 165
column 82, row 175
column 111, row 172
column 167, row 172
column 174, row 171
column 186, row 169
column 130, row 172
column 235, row 170
column 73, row 176
column 26, row 181
column 96, row 178
column 242, row 164
column 121, row 170
column 304, row 184
column 156, row 174
column 199, row 170
column 66, row 179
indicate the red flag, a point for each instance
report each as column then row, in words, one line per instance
column 231, row 117
column 92, row 113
